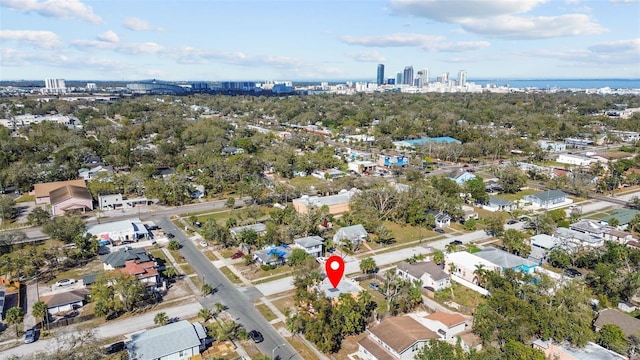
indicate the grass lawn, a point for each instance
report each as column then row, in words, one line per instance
column 227, row 253
column 266, row 312
column 519, row 194
column 187, row 269
column 406, row 233
column 254, row 272
column 376, row 295
column 210, row 255
column 461, row 295
column 281, row 276
column 176, row 256
column 78, row 273
column 230, row 275
column 306, row 181
column 26, row 198
column 284, row 303
column 197, row 281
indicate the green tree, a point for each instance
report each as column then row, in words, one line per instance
column 230, row 203
column 14, row 316
column 130, row 290
column 173, row 245
column 368, row 265
column 470, row 225
column 64, row 228
column 517, row 350
column 438, row 257
column 7, row 210
column 441, row 350
column 38, row 216
column 495, row 224
column 161, row 319
column 477, row 189
column 39, row 311
column 516, row 242
column 206, row 289
column 560, row 258
column 170, row 272
column 511, row 179
column 297, row 257
column 613, row 338
column 205, row 314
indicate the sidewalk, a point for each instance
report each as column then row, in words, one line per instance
column 187, row 279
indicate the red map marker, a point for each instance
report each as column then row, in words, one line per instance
column 335, row 269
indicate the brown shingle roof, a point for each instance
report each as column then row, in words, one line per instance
column 65, row 298
column 399, row 333
column 43, row 189
column 67, row 192
column 628, row 324
column 446, row 319
column 375, row 349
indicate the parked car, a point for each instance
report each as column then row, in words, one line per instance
column 65, row 282
column 170, row 235
column 114, row 348
column 439, row 231
column 29, row 336
column 374, row 286
column 456, row 242
column 204, row 243
column 197, row 224
column 572, row 273
column 256, row 336
column 511, row 222
column 237, row 255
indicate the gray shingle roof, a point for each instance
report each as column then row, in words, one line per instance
column 503, row 259
column 351, row 233
column 629, row 325
column 496, row 201
column 118, row 259
column 165, row 340
column 309, row 241
column 259, row 227
column 549, row 195
column 420, row 268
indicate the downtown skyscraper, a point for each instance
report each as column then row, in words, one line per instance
column 380, row 77
column 407, row 75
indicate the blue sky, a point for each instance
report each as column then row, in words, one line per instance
column 317, row 40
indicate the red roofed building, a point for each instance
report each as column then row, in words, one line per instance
column 146, row 272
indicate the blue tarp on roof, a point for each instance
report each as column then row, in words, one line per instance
column 276, row 251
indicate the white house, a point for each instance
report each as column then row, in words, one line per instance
column 445, row 324
column 548, row 199
column 442, row 220
column 177, row 341
column 574, row 160
column 428, row 273
column 65, row 301
column 110, row 202
column 499, row 204
column 395, row 338
column 354, row 234
column 311, row 244
column 552, row 146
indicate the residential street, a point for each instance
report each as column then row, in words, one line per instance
column 237, row 302
column 109, row 330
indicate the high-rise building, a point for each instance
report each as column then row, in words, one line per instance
column 380, row 78
column 417, row 82
column 407, row 75
column 399, row 78
column 425, row 77
column 54, row 86
column 462, row 77
column 444, row 78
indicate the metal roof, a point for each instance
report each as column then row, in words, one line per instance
column 165, row 340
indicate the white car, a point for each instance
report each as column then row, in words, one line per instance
column 65, row 282
column 204, row 244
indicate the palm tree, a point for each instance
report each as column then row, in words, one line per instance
column 170, row 272
column 218, row 308
column 450, row 248
column 39, row 311
column 438, row 257
column 368, row 265
column 205, row 314
column 481, row 274
column 206, row 289
column 161, row 319
column 15, row 317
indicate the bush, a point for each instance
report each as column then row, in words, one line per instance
column 173, row 245
column 267, row 267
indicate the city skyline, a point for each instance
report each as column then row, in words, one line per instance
column 314, row 40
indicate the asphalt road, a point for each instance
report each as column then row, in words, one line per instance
column 237, row 302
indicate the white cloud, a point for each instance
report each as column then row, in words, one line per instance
column 126, row 48
column 619, row 46
column 452, row 11
column 615, row 52
column 366, row 56
column 36, row 38
column 60, row 9
column 540, row 27
column 624, row 1
column 136, row 24
column 459, row 46
column 501, row 18
column 109, row 36
column 393, row 40
column 431, row 43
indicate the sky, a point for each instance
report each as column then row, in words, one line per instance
column 317, row 40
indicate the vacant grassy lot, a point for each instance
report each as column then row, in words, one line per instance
column 303, row 351
column 266, row 312
column 230, row 275
column 254, row 272
column 187, row 269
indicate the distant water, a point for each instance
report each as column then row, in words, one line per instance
column 563, row 83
